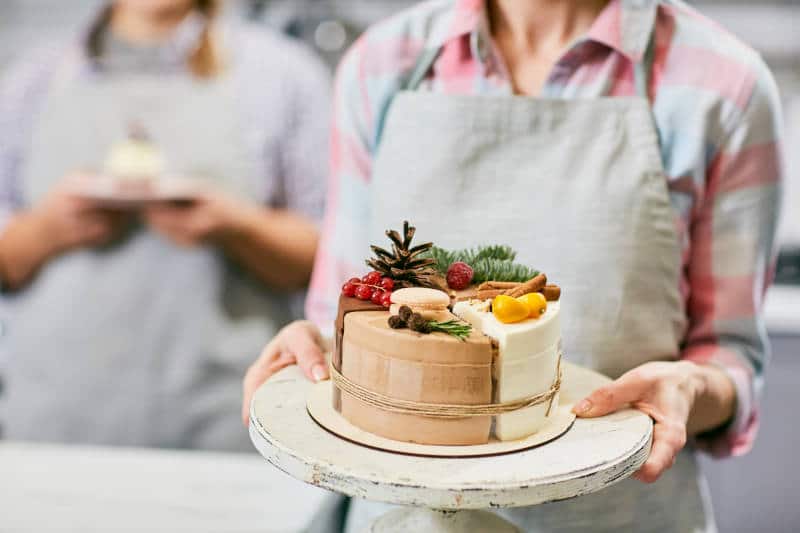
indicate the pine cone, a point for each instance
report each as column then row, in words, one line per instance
column 403, row 263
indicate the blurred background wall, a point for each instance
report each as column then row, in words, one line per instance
column 754, row 493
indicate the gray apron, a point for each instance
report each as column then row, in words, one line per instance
column 578, row 188
column 141, row 342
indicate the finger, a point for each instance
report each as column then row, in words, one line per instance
column 668, row 440
column 627, row 389
column 305, row 348
column 258, row 373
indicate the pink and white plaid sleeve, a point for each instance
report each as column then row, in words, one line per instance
column 731, row 262
column 343, row 238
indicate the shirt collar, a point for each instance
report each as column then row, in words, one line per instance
column 624, row 25
column 183, row 41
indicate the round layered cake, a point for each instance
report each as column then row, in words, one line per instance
column 432, row 350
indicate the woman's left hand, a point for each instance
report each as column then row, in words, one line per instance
column 666, row 391
column 189, row 223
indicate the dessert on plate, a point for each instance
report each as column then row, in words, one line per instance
column 447, row 347
column 134, row 164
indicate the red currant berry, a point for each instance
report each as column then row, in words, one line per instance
column 373, row 278
column 349, row 289
column 387, row 284
column 386, row 299
column 354, row 281
column 376, row 297
column 364, row 292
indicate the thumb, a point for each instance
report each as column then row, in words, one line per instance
column 304, row 345
column 610, row 398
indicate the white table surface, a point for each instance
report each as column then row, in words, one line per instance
column 54, row 488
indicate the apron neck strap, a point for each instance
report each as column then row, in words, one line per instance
column 643, row 68
column 424, row 64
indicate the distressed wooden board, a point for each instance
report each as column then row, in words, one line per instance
column 592, row 455
column 321, row 409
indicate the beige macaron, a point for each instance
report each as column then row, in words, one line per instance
column 430, row 303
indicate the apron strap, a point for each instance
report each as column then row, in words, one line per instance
column 424, row 63
column 643, row 68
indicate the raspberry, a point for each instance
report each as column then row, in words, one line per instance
column 459, row 276
column 364, row 292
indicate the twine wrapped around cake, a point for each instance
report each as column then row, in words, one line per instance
column 448, row 411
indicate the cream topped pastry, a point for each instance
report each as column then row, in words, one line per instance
column 136, row 159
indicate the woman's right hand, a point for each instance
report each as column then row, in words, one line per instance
column 66, row 222
column 298, row 343
column 61, row 222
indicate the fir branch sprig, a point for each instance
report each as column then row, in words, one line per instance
column 489, row 263
column 495, row 270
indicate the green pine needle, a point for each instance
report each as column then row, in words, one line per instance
column 490, row 263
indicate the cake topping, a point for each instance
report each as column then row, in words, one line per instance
column 536, row 302
column 431, row 303
column 491, row 262
column 406, row 318
column 535, row 284
column 407, row 266
column 459, row 276
column 371, row 287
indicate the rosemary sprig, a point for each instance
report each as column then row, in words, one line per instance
column 457, row 329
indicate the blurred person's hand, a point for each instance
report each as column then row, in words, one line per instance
column 207, row 216
column 298, row 343
column 61, row 222
column 65, row 221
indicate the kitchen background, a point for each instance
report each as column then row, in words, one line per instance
column 757, row 492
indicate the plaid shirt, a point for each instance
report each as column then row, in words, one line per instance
column 717, row 113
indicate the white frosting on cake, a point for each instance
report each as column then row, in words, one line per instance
column 526, row 363
column 134, row 159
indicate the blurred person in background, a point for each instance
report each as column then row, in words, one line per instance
column 133, row 327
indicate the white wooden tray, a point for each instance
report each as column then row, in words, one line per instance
column 593, row 454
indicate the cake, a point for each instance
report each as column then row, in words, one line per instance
column 447, row 347
column 134, row 163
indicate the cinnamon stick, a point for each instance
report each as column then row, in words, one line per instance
column 492, row 285
column 535, row 284
column 551, row 293
column 488, row 294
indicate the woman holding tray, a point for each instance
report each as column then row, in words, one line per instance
column 572, row 128
column 133, row 327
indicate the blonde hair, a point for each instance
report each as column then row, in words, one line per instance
column 204, row 62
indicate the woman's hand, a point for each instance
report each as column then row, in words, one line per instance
column 276, row 245
column 65, row 221
column 682, row 398
column 206, row 217
column 60, row 223
column 298, row 343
